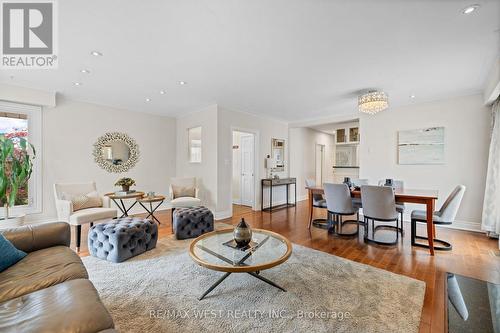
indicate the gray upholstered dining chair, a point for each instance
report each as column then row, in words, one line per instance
column 400, row 206
column 339, row 204
column 318, row 201
column 446, row 215
column 379, row 205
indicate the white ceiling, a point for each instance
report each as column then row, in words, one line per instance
column 287, row 59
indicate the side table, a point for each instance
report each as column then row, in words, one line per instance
column 118, row 200
column 150, row 200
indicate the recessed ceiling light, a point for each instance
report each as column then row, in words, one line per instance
column 96, row 53
column 148, row 99
column 470, row 9
column 77, row 84
column 86, row 71
column 412, row 96
column 162, row 92
column 182, row 83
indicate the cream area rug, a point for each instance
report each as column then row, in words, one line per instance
column 158, row 292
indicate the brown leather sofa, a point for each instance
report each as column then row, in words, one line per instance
column 48, row 290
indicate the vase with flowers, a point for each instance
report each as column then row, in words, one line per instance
column 125, row 183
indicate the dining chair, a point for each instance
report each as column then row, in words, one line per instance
column 339, row 204
column 318, row 201
column 379, row 205
column 446, row 215
column 400, row 206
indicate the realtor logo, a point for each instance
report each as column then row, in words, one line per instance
column 28, row 34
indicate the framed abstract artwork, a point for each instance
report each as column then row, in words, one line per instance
column 421, row 146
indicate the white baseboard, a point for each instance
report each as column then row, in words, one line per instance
column 464, row 225
column 458, row 224
column 303, row 198
column 276, row 203
column 282, row 202
column 223, row 215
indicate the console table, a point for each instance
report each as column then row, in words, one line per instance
column 272, row 182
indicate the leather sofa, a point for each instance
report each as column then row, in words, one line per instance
column 48, row 290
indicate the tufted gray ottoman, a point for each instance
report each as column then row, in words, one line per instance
column 192, row 222
column 121, row 239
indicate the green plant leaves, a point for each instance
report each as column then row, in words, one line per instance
column 16, row 166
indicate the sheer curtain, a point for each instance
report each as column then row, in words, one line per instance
column 491, row 207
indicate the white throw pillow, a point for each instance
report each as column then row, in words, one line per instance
column 83, row 201
column 183, row 191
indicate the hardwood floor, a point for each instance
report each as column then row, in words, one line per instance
column 473, row 254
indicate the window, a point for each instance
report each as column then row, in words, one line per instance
column 16, row 121
column 194, row 139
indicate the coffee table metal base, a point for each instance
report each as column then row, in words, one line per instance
column 254, row 274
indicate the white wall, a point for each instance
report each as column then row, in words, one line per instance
column 214, row 174
column 303, row 142
column 71, row 129
column 266, row 129
column 206, row 171
column 218, row 186
column 467, row 128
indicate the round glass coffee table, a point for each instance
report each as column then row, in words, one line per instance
column 213, row 250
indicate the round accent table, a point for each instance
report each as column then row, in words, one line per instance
column 145, row 201
column 268, row 249
column 118, row 199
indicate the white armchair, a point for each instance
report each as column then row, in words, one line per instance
column 66, row 212
column 183, row 194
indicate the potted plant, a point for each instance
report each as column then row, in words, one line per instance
column 125, row 183
column 16, row 165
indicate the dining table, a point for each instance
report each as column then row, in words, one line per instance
column 403, row 195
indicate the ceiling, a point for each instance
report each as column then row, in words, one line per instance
column 287, row 59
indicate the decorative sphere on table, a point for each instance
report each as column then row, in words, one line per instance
column 242, row 234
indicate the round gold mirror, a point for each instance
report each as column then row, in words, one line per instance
column 116, row 152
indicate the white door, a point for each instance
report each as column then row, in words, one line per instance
column 320, row 160
column 247, row 170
